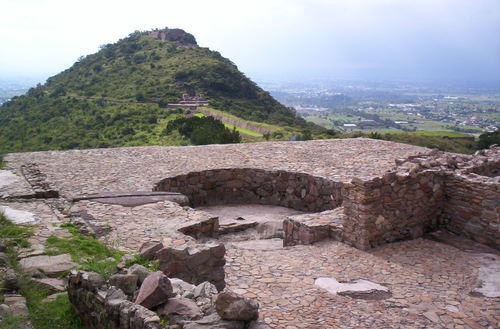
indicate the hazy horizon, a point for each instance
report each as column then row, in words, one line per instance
column 440, row 40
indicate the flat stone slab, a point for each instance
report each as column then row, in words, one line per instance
column 362, row 289
column 50, row 284
column 52, row 266
column 133, row 199
column 20, row 217
column 489, row 275
column 14, row 186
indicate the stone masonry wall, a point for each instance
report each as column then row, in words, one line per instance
column 195, row 263
column 395, row 207
column 97, row 308
column 225, row 186
column 473, row 207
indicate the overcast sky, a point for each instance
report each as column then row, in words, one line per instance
column 270, row 39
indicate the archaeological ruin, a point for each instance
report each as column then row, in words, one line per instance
column 322, row 234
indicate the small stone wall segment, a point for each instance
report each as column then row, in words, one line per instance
column 397, row 206
column 246, row 185
column 473, row 206
column 195, row 263
column 311, row 228
column 88, row 293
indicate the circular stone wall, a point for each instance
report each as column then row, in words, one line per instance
column 246, row 185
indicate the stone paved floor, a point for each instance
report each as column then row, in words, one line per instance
column 425, row 277
column 133, row 226
column 79, row 172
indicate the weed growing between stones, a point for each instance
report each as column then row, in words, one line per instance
column 90, row 253
column 13, row 235
column 152, row 265
column 12, row 322
column 57, row 314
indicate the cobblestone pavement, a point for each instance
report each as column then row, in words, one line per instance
column 79, row 172
column 430, row 283
column 130, row 227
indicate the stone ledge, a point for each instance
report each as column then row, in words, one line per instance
column 311, row 228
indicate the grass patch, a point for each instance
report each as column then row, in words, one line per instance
column 2, row 164
column 230, row 126
column 90, row 253
column 14, row 235
column 57, row 314
column 12, row 322
column 243, row 130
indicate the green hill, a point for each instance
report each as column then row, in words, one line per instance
column 118, row 96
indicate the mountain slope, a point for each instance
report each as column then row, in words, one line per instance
column 118, row 96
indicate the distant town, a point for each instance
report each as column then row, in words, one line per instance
column 352, row 106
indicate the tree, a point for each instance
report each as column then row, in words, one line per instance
column 488, row 139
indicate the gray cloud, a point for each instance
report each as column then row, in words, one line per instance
column 424, row 39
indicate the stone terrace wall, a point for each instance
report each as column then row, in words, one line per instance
column 395, row 207
column 98, row 309
column 225, row 186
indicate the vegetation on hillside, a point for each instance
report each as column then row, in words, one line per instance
column 118, row 97
column 487, row 139
column 443, row 143
column 203, row 130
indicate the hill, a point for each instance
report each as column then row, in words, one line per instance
column 119, row 95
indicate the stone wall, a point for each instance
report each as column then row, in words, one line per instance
column 395, row 207
column 195, row 263
column 281, row 188
column 473, row 206
column 99, row 308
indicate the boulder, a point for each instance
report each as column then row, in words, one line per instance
column 213, row 321
column 92, row 281
column 205, row 290
column 182, row 288
column 149, row 249
column 10, row 280
column 4, row 311
column 140, row 271
column 155, row 290
column 4, row 260
column 114, row 293
column 231, row 306
column 180, row 308
column 126, row 282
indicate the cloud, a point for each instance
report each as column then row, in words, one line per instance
column 338, row 37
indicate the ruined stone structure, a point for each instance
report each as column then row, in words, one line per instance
column 246, row 185
column 360, row 192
